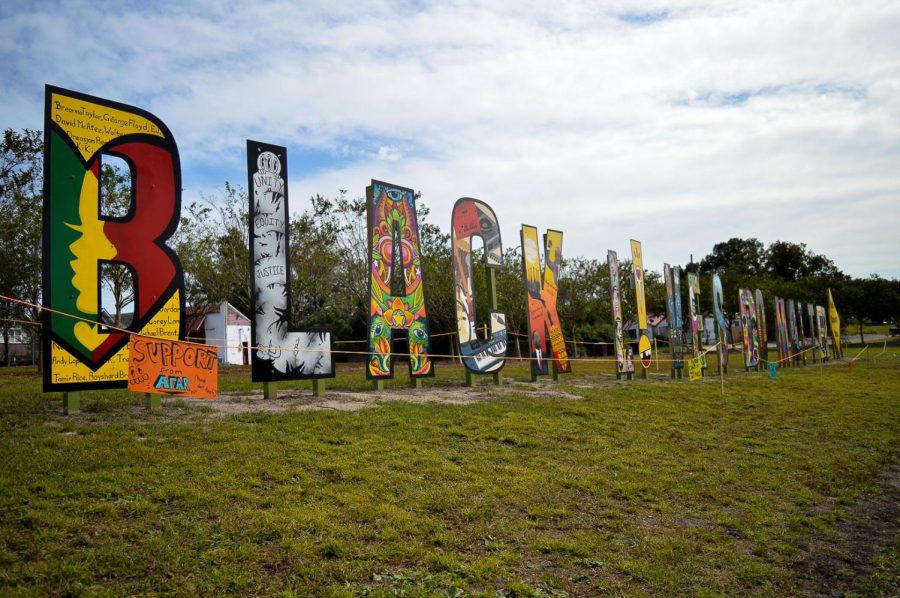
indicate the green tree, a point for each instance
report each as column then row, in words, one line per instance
column 744, row 256
column 21, row 198
column 793, row 261
column 212, row 244
column 584, row 301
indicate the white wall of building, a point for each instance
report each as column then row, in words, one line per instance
column 228, row 340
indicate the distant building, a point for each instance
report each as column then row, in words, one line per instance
column 657, row 326
column 21, row 346
column 223, row 327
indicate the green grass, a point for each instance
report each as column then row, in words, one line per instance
column 647, row 487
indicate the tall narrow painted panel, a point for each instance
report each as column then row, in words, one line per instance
column 280, row 352
column 718, row 297
column 545, row 335
column 793, row 334
column 761, row 319
column 822, row 330
column 749, row 328
column 624, row 364
column 834, row 321
column 781, row 330
column 637, row 268
column 678, row 331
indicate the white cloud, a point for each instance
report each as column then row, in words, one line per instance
column 678, row 123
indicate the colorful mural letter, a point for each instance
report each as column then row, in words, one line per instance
column 78, row 352
column 541, row 289
column 761, row 319
column 624, row 365
column 811, row 340
column 670, row 306
column 793, row 334
column 394, row 246
column 171, row 368
column 749, row 328
column 834, row 321
column 801, row 333
column 279, row 352
column 781, row 330
column 637, row 268
column 718, row 298
column 696, row 317
column 473, row 217
column 677, row 331
column 822, row 331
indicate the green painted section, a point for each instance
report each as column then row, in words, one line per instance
column 67, row 174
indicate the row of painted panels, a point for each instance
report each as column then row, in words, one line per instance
column 79, row 353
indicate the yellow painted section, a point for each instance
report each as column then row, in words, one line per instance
column 68, row 370
column 90, row 126
column 637, row 263
column 835, row 321
column 91, row 246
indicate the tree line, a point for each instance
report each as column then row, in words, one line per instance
column 329, row 266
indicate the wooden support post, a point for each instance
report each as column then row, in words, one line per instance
column 641, row 332
column 554, row 373
column 378, row 384
column 152, row 402
column 498, row 377
column 71, row 402
column 318, row 387
column 270, row 391
column 470, row 378
column 415, row 382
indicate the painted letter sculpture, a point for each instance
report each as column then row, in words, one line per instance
column 78, row 130
column 781, row 331
column 718, row 296
column 637, row 267
column 279, row 353
column 624, row 365
column 544, row 330
column 394, row 245
column 696, row 318
column 749, row 329
column 761, row 320
column 472, row 217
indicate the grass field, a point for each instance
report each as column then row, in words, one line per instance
column 583, row 487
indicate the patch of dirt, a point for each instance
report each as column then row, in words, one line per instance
column 228, row 404
column 833, row 564
column 338, row 400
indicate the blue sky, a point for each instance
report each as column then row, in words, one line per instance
column 679, row 123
